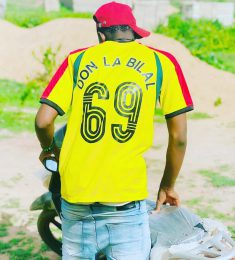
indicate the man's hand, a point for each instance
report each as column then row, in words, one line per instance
column 54, row 153
column 167, row 195
column 177, row 129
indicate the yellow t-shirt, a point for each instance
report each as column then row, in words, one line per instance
column 111, row 89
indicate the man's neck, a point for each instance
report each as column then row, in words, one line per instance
column 123, row 40
column 123, row 37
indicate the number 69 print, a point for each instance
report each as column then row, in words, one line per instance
column 130, row 109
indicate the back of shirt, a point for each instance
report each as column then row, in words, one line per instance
column 111, row 89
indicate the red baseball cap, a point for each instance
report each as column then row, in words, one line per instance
column 114, row 13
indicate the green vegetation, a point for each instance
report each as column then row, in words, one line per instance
column 22, row 247
column 20, row 121
column 232, row 231
column 157, row 147
column 16, row 178
column 3, row 230
column 12, row 92
column 21, row 233
column 16, row 121
column 192, row 202
column 218, row 102
column 11, row 115
column 208, row 209
column 224, row 167
column 212, row 43
column 44, row 247
column 23, row 15
column 216, row 179
column 12, row 203
column 177, row 3
column 17, row 249
column 37, row 84
column 19, row 101
column 210, row 212
column 158, row 116
column 198, row 115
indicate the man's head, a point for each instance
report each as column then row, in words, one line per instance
column 116, row 20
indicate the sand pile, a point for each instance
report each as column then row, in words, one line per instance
column 16, row 46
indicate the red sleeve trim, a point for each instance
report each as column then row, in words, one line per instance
column 182, row 81
column 79, row 50
column 55, row 78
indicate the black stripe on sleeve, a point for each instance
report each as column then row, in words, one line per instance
column 53, row 105
column 178, row 112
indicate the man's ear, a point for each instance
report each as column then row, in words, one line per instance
column 101, row 36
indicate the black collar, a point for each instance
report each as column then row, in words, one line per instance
column 124, row 40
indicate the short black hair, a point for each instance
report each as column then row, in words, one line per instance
column 114, row 29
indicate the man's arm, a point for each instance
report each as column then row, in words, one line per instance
column 44, row 127
column 177, row 129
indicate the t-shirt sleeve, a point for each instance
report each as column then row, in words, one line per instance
column 58, row 93
column 175, row 97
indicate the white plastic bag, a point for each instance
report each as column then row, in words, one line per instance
column 177, row 233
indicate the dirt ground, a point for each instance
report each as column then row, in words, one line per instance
column 211, row 142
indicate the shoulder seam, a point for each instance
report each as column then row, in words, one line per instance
column 79, row 50
column 58, row 74
column 168, row 55
column 182, row 81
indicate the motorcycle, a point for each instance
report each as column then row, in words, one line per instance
column 49, row 218
column 176, row 233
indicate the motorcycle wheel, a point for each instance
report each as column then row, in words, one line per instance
column 46, row 219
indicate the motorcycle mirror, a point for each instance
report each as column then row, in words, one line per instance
column 51, row 165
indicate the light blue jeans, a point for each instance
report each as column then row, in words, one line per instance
column 120, row 235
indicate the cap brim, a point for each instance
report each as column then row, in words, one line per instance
column 140, row 33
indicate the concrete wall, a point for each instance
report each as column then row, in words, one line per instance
column 67, row 3
column 151, row 13
column 2, row 8
column 222, row 12
column 51, row 5
column 148, row 13
column 93, row 5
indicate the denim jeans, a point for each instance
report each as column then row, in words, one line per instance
column 120, row 235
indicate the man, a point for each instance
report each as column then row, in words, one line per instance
column 111, row 90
